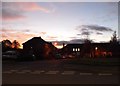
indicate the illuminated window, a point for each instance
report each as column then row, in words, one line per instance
column 78, row 49
column 73, row 49
column 96, row 48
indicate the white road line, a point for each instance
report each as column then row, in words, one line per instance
column 37, row 72
column 7, row 72
column 26, row 70
column 86, row 73
column 13, row 70
column 52, row 72
column 68, row 73
column 104, row 74
column 20, row 72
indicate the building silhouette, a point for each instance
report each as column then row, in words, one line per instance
column 40, row 48
column 92, row 50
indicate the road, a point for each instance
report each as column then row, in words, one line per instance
column 57, row 72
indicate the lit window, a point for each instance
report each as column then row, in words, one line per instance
column 78, row 49
column 96, row 48
column 73, row 49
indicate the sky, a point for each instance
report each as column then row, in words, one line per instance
column 61, row 22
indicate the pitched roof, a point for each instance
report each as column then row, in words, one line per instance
column 105, row 45
column 35, row 40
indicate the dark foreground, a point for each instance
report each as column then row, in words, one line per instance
column 57, row 72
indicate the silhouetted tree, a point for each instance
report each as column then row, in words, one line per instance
column 6, row 45
column 114, row 38
column 15, row 44
column 86, row 48
column 114, row 44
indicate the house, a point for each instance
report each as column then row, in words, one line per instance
column 92, row 50
column 72, row 49
column 100, row 50
column 40, row 48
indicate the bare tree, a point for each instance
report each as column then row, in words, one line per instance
column 114, row 38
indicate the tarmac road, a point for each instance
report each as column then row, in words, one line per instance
column 57, row 72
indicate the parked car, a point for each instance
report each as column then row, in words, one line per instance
column 10, row 55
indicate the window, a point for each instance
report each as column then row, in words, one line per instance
column 78, row 49
column 96, row 48
column 73, row 49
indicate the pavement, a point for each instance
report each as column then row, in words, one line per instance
column 57, row 72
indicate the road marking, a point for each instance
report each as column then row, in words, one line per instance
column 68, row 73
column 13, row 70
column 37, row 72
column 26, row 70
column 20, row 72
column 7, row 72
column 86, row 73
column 104, row 74
column 52, row 72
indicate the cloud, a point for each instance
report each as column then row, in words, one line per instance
column 15, row 10
column 26, row 30
column 12, row 34
column 95, row 28
column 98, row 33
column 11, row 15
column 87, row 30
column 31, row 6
column 76, row 41
column 43, row 33
column 4, row 30
column 85, row 33
column 72, row 37
column 51, row 37
column 23, row 35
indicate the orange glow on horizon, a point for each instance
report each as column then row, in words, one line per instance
column 55, row 43
column 59, row 46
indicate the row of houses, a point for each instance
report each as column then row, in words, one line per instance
column 92, row 50
column 46, row 50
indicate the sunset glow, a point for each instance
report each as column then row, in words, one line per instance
column 63, row 22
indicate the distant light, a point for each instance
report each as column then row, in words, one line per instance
column 55, row 43
column 78, row 49
column 73, row 49
column 96, row 48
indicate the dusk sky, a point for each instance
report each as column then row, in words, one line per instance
column 68, row 22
